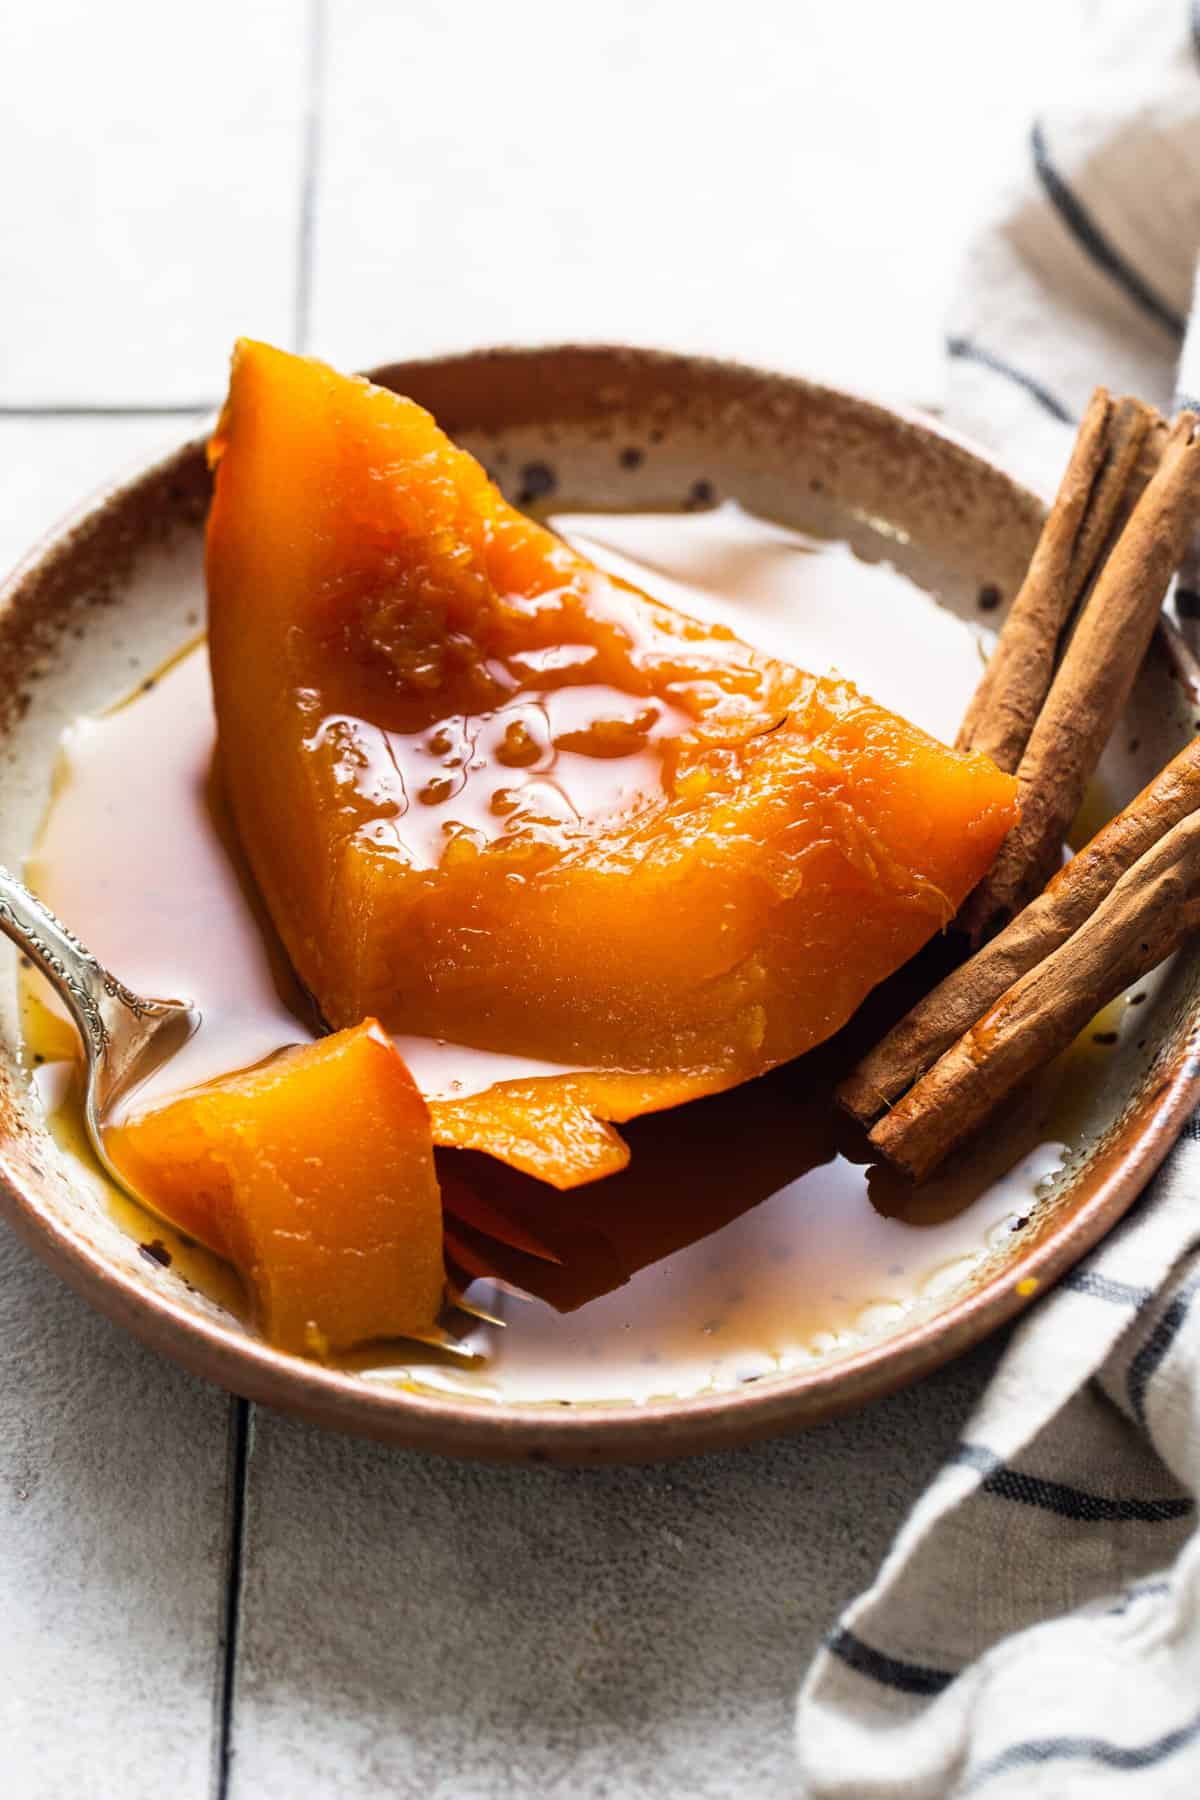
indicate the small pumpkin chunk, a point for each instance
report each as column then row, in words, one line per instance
column 313, row 1174
column 558, row 1127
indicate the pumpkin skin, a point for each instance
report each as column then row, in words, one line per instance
column 313, row 1174
column 494, row 796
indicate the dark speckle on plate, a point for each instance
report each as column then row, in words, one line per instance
column 538, row 480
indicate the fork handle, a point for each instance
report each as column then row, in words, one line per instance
column 85, row 987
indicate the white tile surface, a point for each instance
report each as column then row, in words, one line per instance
column 112, row 1521
column 148, row 212
column 789, row 182
column 440, row 1631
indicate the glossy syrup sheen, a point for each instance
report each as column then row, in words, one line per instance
column 750, row 1232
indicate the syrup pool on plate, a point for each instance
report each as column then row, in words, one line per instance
column 750, row 1232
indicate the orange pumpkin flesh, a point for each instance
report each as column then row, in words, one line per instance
column 494, row 796
column 313, row 1174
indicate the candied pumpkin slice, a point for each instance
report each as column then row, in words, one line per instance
column 495, row 796
column 313, row 1174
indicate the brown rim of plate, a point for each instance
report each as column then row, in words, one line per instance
column 583, row 1433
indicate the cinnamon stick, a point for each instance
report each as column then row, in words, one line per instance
column 1135, row 481
column 1104, row 475
column 960, row 1001
column 1151, row 909
column 1093, row 681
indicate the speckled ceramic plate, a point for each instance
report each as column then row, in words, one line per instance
column 119, row 587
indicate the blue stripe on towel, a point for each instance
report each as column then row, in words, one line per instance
column 1092, row 241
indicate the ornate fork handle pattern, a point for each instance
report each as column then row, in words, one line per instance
column 58, row 953
column 103, row 1008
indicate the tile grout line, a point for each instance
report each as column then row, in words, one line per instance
column 242, row 1413
column 309, row 167
column 237, row 1455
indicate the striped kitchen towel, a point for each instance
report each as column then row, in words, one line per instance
column 1035, row 1630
